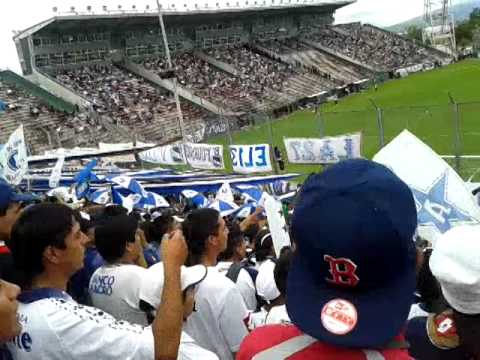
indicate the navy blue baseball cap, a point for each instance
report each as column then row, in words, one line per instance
column 352, row 278
column 8, row 195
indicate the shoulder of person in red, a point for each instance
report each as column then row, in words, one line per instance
column 267, row 337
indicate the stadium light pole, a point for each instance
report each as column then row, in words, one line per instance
column 170, row 66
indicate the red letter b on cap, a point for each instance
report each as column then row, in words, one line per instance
column 342, row 271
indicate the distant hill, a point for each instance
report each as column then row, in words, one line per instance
column 460, row 13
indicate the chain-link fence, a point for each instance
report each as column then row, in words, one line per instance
column 451, row 130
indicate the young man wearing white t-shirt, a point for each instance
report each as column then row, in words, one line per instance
column 48, row 246
column 219, row 324
column 115, row 286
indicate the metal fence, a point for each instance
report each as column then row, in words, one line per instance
column 451, row 130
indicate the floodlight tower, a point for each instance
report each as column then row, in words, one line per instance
column 439, row 28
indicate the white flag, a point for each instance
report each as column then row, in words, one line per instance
column 441, row 196
column 56, row 174
column 225, row 193
column 13, row 158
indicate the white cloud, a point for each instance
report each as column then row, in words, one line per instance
column 21, row 14
column 380, row 12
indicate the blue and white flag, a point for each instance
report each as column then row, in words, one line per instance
column 441, row 196
column 56, row 174
column 128, row 202
column 246, row 210
column 225, row 193
column 249, row 159
column 250, row 193
column 198, row 199
column 223, row 207
column 83, row 178
column 152, row 201
column 128, row 183
column 100, row 196
column 13, row 158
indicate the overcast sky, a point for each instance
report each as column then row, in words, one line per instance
column 20, row 14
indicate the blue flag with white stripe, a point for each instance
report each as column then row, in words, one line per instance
column 198, row 199
column 82, row 179
column 127, row 183
column 250, row 193
column 223, row 207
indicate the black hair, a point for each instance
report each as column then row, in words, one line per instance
column 160, row 225
column 428, row 287
column 197, row 227
column 282, row 266
column 114, row 210
column 263, row 245
column 38, row 227
column 468, row 330
column 112, row 236
column 235, row 238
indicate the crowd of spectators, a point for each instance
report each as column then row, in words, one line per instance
column 125, row 98
column 206, row 81
column 184, row 282
column 254, row 67
column 370, row 46
column 39, row 119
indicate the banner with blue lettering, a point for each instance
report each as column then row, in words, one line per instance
column 327, row 150
column 249, row 159
column 442, row 198
column 203, row 156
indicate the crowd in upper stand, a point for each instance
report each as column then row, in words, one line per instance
column 381, row 50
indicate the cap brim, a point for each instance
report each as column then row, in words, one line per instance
column 24, row 198
column 381, row 313
column 193, row 275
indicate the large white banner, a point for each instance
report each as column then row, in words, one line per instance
column 13, row 158
column 248, row 159
column 441, row 196
column 276, row 222
column 203, row 156
column 326, row 150
column 165, row 155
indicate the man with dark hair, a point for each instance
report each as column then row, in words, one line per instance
column 218, row 324
column 115, row 286
column 233, row 264
column 48, row 247
column 162, row 222
column 352, row 276
column 10, row 210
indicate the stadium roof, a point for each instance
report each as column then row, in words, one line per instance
column 182, row 8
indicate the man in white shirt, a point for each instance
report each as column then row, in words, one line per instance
column 232, row 264
column 115, row 286
column 219, row 324
column 48, row 246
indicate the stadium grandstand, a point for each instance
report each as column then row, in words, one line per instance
column 93, row 77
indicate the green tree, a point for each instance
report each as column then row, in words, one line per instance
column 414, row 33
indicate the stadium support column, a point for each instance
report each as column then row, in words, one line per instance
column 381, row 133
column 456, row 130
column 272, row 144
column 170, row 66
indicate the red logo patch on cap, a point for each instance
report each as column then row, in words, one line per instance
column 339, row 316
